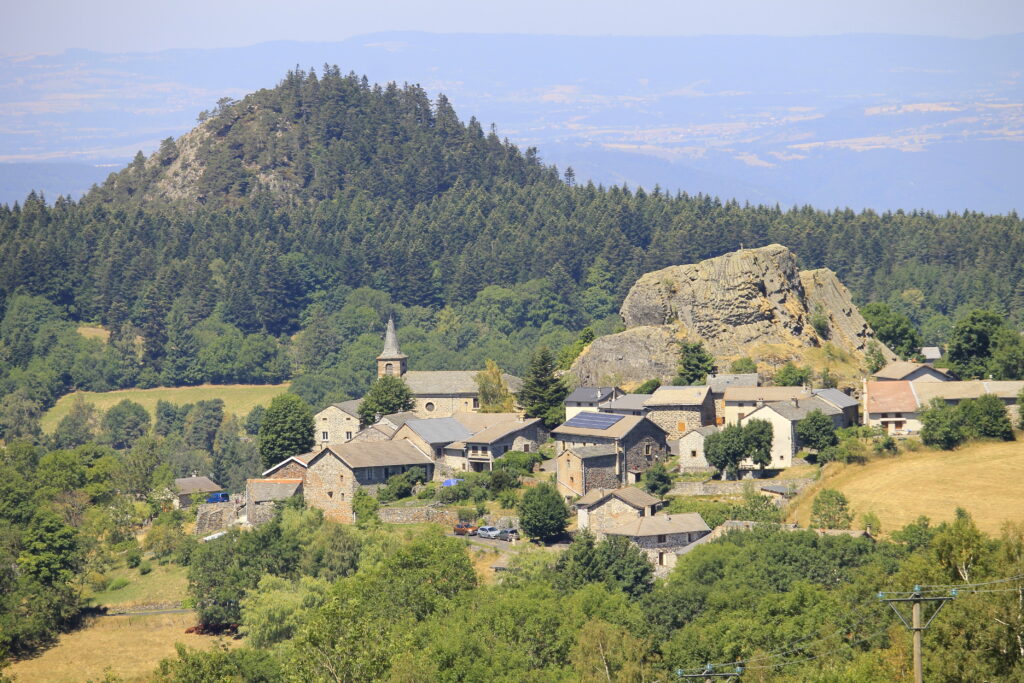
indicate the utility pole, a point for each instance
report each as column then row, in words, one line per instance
column 916, row 600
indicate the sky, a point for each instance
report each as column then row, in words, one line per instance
column 34, row 26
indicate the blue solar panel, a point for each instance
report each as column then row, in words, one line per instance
column 593, row 420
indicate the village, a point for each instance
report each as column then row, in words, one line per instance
column 597, row 457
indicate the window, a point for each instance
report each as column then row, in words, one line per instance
column 642, row 512
column 661, row 538
column 389, row 369
column 330, row 494
column 897, row 425
column 324, row 435
column 476, row 403
column 348, row 436
column 526, row 448
column 323, row 419
column 897, row 414
column 693, row 454
column 647, row 449
column 429, row 407
column 661, row 559
column 682, row 426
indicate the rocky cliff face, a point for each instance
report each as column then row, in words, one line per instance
column 734, row 303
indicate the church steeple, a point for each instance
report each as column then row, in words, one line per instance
column 391, row 361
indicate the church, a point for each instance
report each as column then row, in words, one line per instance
column 438, row 393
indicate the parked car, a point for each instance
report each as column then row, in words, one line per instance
column 465, row 529
column 222, row 497
column 508, row 535
column 487, row 532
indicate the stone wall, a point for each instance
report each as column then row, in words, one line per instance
column 211, row 517
column 418, row 515
column 636, row 447
column 330, row 486
column 599, row 473
column 292, row 470
column 609, row 514
column 338, row 426
column 731, row 488
column 443, row 406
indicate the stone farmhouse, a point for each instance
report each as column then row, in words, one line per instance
column 784, row 417
column 679, row 409
column 603, row 509
column 624, row 446
column 330, row 476
column 663, row 537
column 720, row 382
column 337, row 423
column 896, row 405
column 262, row 495
column 438, row 393
column 903, row 370
column 590, row 399
column 691, row 448
column 478, row 452
column 740, row 401
column 189, row 490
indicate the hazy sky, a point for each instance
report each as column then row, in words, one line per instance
column 144, row 25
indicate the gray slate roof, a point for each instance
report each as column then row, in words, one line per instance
column 836, row 398
column 449, row 382
column 658, row 525
column 261, row 490
column 590, row 395
column 351, row 407
column 585, row 452
column 707, row 430
column 630, row 495
column 719, row 383
column 391, row 350
column 627, row 402
column 439, row 430
column 377, row 453
column 188, row 485
column 804, row 407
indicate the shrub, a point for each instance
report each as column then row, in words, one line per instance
column 132, row 558
column 145, row 567
column 508, row 499
column 97, row 581
column 912, row 445
column 427, row 492
column 117, row 584
column 518, row 462
column 466, row 514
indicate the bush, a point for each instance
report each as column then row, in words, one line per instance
column 518, row 462
column 912, row 445
column 145, row 567
column 885, row 445
column 132, row 558
column 117, row 584
column 97, row 581
column 542, row 512
column 427, row 492
column 508, row 499
column 466, row 514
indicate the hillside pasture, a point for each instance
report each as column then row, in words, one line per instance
column 982, row 478
column 238, row 399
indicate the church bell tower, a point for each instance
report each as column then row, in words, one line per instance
column 391, row 361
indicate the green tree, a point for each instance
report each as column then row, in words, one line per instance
column 625, row 566
column 790, row 375
column 894, row 329
column 758, row 436
column 286, row 430
column 543, row 394
column 725, row 450
column 50, row 550
column 124, row 423
column 388, row 394
column 657, row 480
column 181, row 365
column 365, row 508
column 942, row 425
column 831, row 510
column 542, row 512
column 985, row 418
column 817, row 431
column 201, row 424
column 254, row 419
column 960, row 546
column 695, row 364
column 1020, row 410
column 873, row 357
column 495, row 396
column 971, row 343
column 648, row 387
column 19, row 417
column 744, row 365
column 79, row 426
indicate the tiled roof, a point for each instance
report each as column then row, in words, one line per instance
column 958, row 391
column 900, row 369
column 630, row 495
column 590, row 395
column 678, row 396
column 627, row 402
column 764, row 394
column 376, row 454
column 616, row 431
column 892, row 397
column 188, row 485
column 658, row 525
column 450, row 382
column 836, row 398
column 719, row 383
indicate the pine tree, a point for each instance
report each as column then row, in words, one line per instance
column 695, row 364
column 181, row 353
column 494, row 394
column 543, row 394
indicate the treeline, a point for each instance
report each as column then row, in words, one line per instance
column 787, row 605
column 272, row 242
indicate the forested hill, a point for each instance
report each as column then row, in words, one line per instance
column 323, row 204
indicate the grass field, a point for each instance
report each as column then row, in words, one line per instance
column 164, row 585
column 984, row 479
column 238, row 398
column 130, row 646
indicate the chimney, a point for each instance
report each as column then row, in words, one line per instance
column 795, row 401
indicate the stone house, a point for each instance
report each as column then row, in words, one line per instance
column 740, row 401
column 337, row 423
column 630, row 404
column 438, row 393
column 632, row 442
column 602, row 509
column 262, row 495
column 589, row 399
column 718, row 383
column 904, row 370
column 479, row 451
column 892, row 406
column 849, row 406
column 581, row 469
column 784, row 417
column 680, row 409
column 189, row 490
column 662, row 536
column 691, row 448
column 331, row 476
column 431, row 435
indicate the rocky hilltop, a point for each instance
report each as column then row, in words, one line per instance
column 752, row 302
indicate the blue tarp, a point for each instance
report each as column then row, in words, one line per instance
column 450, row 482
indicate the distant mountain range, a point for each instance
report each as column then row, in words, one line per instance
column 883, row 122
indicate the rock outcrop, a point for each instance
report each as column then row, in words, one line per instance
column 734, row 303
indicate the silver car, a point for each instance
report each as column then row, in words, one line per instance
column 487, row 532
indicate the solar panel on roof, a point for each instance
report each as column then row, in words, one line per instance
column 593, row 420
